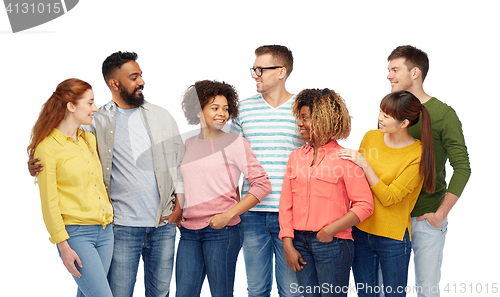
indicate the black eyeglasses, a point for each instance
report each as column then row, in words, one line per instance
column 258, row 70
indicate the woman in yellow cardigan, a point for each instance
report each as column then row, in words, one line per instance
column 75, row 205
column 396, row 166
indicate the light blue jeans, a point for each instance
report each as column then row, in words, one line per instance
column 260, row 243
column 428, row 245
column 94, row 247
column 156, row 246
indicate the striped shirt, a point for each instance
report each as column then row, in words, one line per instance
column 272, row 134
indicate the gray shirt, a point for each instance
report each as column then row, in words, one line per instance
column 166, row 145
column 133, row 184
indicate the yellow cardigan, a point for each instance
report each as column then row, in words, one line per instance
column 72, row 190
column 397, row 191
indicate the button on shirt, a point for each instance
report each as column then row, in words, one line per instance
column 72, row 190
column 314, row 196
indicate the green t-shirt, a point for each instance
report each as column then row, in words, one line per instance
column 449, row 144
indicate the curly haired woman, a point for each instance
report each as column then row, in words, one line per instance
column 214, row 160
column 323, row 196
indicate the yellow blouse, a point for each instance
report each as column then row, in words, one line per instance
column 396, row 193
column 72, row 190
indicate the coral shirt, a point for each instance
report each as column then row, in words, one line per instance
column 315, row 196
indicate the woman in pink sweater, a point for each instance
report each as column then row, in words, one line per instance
column 323, row 196
column 214, row 160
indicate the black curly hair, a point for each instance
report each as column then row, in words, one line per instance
column 116, row 60
column 202, row 93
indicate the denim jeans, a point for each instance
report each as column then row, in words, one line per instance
column 207, row 252
column 261, row 242
column 94, row 247
column 390, row 255
column 428, row 245
column 328, row 265
column 156, row 246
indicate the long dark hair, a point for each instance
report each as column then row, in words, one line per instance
column 402, row 106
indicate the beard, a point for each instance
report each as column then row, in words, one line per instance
column 131, row 98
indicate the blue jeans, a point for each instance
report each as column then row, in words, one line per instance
column 156, row 246
column 94, row 247
column 390, row 255
column 328, row 265
column 207, row 252
column 428, row 245
column 261, row 241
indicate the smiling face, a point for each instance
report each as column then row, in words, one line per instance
column 83, row 111
column 305, row 123
column 130, row 83
column 399, row 75
column 215, row 114
column 270, row 78
column 388, row 124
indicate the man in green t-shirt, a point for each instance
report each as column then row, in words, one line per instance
column 408, row 67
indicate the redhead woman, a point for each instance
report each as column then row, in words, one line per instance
column 75, row 205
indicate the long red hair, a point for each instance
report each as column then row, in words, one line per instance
column 402, row 106
column 54, row 110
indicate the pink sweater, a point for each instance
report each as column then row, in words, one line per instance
column 211, row 171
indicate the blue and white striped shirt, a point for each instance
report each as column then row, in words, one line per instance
column 272, row 134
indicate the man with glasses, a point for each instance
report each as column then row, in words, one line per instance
column 267, row 123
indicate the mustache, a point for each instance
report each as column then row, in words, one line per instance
column 139, row 88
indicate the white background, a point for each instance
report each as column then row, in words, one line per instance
column 341, row 45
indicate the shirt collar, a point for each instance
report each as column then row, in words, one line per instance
column 326, row 148
column 61, row 138
column 112, row 105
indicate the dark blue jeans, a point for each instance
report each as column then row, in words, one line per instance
column 391, row 256
column 207, row 252
column 328, row 265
